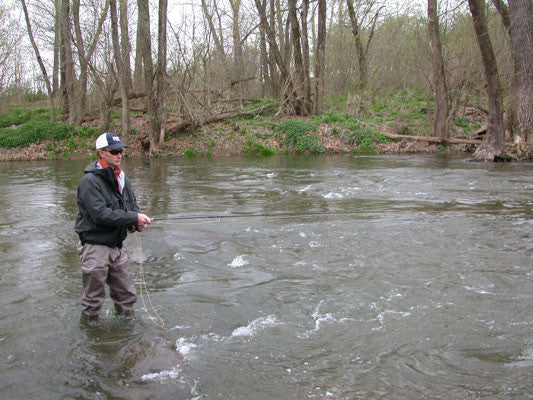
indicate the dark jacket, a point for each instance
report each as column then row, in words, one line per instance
column 104, row 214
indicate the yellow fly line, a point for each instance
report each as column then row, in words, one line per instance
column 203, row 219
column 157, row 320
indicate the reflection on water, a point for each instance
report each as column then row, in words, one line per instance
column 424, row 291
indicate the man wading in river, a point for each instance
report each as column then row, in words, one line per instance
column 107, row 210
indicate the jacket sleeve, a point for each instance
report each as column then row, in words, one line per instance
column 92, row 198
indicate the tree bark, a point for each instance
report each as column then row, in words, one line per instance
column 119, row 62
column 320, row 59
column 39, row 61
column 84, row 58
column 57, row 48
column 492, row 145
column 298, row 102
column 125, row 43
column 161, row 71
column 237, row 45
column 440, row 122
column 148, row 68
column 521, row 32
column 273, row 46
column 308, row 106
column 138, row 71
column 81, row 89
column 361, row 57
column 67, row 75
column 218, row 40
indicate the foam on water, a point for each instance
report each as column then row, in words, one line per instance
column 184, row 348
column 332, row 195
column 170, row 374
column 238, row 261
column 321, row 319
column 253, row 327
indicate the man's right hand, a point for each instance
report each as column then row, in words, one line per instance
column 143, row 221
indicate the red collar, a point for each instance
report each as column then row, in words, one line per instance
column 116, row 170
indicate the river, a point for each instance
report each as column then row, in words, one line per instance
column 415, row 282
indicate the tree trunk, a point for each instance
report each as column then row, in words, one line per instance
column 298, row 102
column 218, row 40
column 126, row 84
column 125, row 43
column 273, row 46
column 320, row 59
column 440, row 122
column 492, row 145
column 361, row 56
column 119, row 62
column 308, row 106
column 57, row 48
column 237, row 45
column 161, row 71
column 138, row 72
column 511, row 123
column 274, row 73
column 81, row 90
column 67, row 64
column 521, row 32
column 39, row 61
column 148, row 68
column 264, row 64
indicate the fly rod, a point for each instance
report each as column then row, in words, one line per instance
column 327, row 213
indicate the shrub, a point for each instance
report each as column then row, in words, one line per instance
column 254, row 148
column 300, row 136
column 35, row 131
column 20, row 116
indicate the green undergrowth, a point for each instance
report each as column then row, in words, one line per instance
column 20, row 128
column 349, row 123
column 301, row 136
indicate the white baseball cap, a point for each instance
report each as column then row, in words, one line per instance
column 109, row 140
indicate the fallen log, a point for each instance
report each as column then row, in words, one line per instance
column 431, row 139
column 186, row 125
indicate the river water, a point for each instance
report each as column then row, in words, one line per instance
column 424, row 291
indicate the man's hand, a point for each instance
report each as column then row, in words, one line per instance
column 143, row 221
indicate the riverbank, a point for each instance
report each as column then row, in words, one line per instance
column 232, row 139
column 400, row 124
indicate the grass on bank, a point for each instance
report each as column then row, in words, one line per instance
column 353, row 120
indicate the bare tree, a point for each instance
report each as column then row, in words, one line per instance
column 298, row 103
column 161, row 70
column 39, row 60
column 122, row 73
column 67, row 73
column 521, row 32
column 84, row 57
column 356, row 25
column 440, row 122
column 320, row 58
column 154, row 83
column 274, row 49
column 217, row 38
column 306, row 76
column 491, row 147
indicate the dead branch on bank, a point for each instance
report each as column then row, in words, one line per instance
column 189, row 124
column 431, row 139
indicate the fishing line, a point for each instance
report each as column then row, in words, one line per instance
column 159, row 321
column 200, row 219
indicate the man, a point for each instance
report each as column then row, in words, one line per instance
column 107, row 210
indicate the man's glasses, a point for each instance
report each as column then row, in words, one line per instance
column 115, row 152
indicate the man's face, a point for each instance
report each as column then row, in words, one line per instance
column 110, row 159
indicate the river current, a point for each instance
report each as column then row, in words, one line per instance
column 410, row 277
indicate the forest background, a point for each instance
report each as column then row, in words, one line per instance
column 263, row 76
